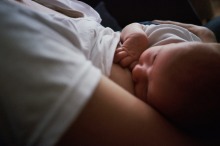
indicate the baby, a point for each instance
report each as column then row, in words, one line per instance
column 179, row 78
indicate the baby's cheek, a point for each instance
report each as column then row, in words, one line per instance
column 170, row 106
column 160, row 102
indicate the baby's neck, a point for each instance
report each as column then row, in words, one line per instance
column 122, row 77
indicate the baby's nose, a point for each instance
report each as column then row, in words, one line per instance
column 138, row 73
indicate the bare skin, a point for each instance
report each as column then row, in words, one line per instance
column 113, row 116
column 122, row 76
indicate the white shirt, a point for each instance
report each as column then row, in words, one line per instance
column 73, row 5
column 48, row 72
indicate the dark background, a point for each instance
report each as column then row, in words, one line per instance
column 126, row 12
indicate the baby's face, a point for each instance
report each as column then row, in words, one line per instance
column 153, row 70
column 180, row 81
column 155, row 75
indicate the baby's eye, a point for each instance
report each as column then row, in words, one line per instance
column 154, row 57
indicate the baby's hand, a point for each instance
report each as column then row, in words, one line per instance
column 126, row 56
column 128, row 53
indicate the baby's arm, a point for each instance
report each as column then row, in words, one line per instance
column 133, row 42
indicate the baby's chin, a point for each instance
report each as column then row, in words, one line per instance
column 162, row 106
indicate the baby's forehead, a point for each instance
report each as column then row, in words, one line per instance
column 187, row 59
column 200, row 61
column 194, row 52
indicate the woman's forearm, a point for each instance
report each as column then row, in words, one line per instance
column 115, row 117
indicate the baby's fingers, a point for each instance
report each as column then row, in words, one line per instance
column 119, row 56
column 120, row 49
column 126, row 62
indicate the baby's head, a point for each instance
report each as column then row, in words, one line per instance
column 182, row 81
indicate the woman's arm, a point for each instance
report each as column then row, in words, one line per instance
column 115, row 117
